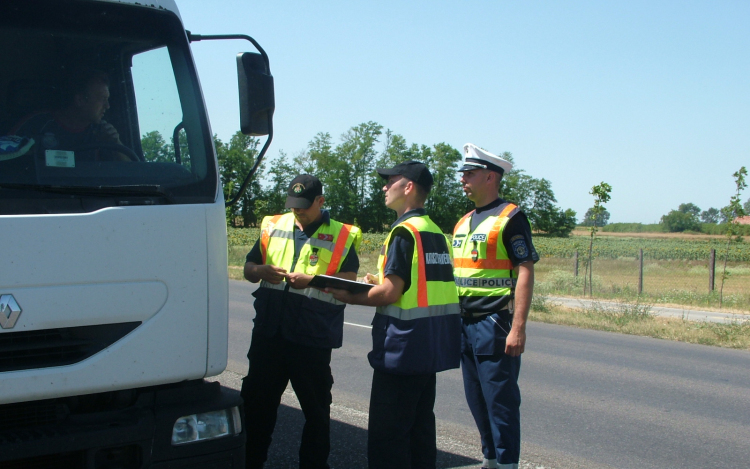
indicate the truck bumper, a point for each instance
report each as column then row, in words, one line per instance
column 124, row 429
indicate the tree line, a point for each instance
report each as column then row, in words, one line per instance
column 689, row 217
column 352, row 187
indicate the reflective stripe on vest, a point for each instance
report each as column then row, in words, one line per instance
column 265, row 236
column 419, row 312
column 421, row 277
column 423, row 298
column 312, row 293
column 488, row 271
column 338, row 250
column 485, row 282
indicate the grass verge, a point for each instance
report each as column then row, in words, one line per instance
column 636, row 318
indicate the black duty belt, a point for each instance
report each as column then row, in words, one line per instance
column 467, row 315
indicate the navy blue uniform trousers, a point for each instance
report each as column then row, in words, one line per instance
column 401, row 427
column 274, row 362
column 491, row 386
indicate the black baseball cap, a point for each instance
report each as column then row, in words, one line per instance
column 412, row 170
column 302, row 191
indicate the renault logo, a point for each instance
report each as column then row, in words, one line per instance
column 9, row 311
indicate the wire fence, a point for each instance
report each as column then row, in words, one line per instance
column 699, row 283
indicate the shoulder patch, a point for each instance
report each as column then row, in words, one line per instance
column 520, row 250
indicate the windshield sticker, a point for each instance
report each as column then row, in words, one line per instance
column 60, row 158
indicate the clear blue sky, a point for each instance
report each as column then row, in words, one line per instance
column 652, row 97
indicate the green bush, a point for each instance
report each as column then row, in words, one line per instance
column 721, row 229
column 633, row 228
column 242, row 236
column 676, row 221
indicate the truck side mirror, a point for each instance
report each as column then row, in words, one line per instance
column 257, row 101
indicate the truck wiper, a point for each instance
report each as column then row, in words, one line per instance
column 143, row 190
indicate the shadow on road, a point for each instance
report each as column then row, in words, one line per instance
column 348, row 445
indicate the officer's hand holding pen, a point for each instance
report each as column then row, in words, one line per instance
column 371, row 279
column 298, row 280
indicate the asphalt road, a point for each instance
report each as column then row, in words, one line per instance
column 590, row 400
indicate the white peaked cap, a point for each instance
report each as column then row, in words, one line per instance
column 476, row 158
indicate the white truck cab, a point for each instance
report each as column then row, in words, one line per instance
column 113, row 279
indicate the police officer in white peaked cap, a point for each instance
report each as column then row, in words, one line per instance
column 476, row 158
column 493, row 260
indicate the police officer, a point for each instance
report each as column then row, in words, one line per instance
column 416, row 329
column 494, row 270
column 296, row 327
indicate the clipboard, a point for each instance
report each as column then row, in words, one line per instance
column 326, row 281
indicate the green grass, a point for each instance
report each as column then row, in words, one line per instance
column 636, row 318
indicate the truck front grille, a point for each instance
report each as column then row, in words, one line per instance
column 54, row 461
column 57, row 347
column 19, row 416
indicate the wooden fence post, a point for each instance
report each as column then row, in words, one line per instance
column 575, row 270
column 640, row 271
column 711, row 270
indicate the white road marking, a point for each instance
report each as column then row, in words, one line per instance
column 358, row 325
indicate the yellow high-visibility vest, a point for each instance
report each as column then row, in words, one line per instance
column 428, row 295
column 481, row 263
column 322, row 253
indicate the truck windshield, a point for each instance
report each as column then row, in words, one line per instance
column 99, row 102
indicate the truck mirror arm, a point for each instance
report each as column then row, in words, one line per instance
column 207, row 37
column 250, row 175
column 201, row 37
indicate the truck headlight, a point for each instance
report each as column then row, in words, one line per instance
column 206, row 426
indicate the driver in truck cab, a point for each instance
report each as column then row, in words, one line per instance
column 79, row 122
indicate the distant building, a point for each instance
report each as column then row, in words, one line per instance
column 743, row 220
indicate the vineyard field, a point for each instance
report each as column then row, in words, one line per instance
column 604, row 247
column 653, row 249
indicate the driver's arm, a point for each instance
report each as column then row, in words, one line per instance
column 109, row 134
